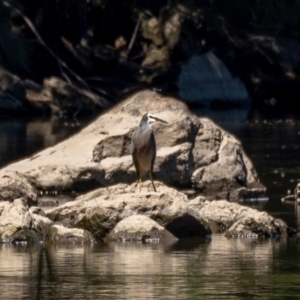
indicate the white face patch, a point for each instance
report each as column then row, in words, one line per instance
column 151, row 118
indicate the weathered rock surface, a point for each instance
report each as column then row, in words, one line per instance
column 191, row 151
column 19, row 224
column 168, row 214
column 14, row 185
column 101, row 210
column 16, row 222
column 61, row 234
column 139, row 228
column 236, row 220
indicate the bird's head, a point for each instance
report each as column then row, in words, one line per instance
column 149, row 118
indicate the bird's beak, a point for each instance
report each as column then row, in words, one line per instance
column 158, row 119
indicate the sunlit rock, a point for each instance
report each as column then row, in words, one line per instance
column 121, row 212
column 237, row 220
column 256, row 224
column 14, row 185
column 139, row 228
column 192, row 151
column 101, row 210
column 60, row 234
column 15, row 222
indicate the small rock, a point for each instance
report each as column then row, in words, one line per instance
column 14, row 185
column 60, row 234
column 139, row 228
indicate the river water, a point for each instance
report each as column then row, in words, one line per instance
column 213, row 268
column 210, row 268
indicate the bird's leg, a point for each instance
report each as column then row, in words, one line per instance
column 140, row 179
column 140, row 183
column 150, row 176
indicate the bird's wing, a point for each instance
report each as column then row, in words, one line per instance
column 153, row 143
column 134, row 151
column 143, row 148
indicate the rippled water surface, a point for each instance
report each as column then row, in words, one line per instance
column 214, row 268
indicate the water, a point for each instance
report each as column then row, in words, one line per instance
column 20, row 138
column 211, row 268
column 215, row 268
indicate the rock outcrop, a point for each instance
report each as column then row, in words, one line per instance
column 15, row 221
column 22, row 221
column 113, row 214
column 191, row 152
column 236, row 220
column 16, row 196
column 14, row 185
column 101, row 210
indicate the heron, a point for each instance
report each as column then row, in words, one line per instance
column 143, row 147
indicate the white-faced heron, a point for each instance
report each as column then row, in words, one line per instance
column 143, row 147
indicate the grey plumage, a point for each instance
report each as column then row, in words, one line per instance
column 143, row 147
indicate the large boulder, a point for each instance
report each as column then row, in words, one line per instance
column 192, row 151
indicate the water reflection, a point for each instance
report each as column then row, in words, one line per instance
column 256, row 203
column 20, row 138
column 215, row 268
column 13, row 138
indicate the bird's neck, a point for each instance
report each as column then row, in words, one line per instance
column 145, row 126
